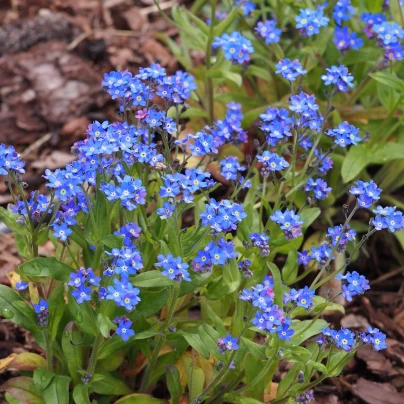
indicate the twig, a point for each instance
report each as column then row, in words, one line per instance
column 36, row 145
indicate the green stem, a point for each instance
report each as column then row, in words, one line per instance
column 209, row 80
column 161, row 338
column 48, row 347
column 94, row 354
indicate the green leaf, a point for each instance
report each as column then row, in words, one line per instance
column 309, row 216
column 259, row 72
column 360, row 156
column 151, row 279
column 222, row 26
column 80, row 394
column 84, row 315
column 46, row 267
column 10, row 220
column 173, row 383
column 364, row 54
column 57, row 307
column 112, row 241
column 338, row 362
column 318, row 366
column 109, row 385
column 289, row 270
column 226, row 74
column 196, row 379
column 196, row 342
column 301, row 334
column 115, row 343
column 209, row 336
column 55, row 389
column 232, row 276
column 253, row 348
column 138, row 398
column 389, row 79
column 23, row 389
column 14, row 308
column 73, row 350
column 105, row 325
column 194, row 112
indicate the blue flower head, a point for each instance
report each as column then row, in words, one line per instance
column 235, row 46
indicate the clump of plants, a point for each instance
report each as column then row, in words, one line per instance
column 164, row 283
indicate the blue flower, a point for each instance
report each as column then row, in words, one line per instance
column 41, row 307
column 366, row 193
column 325, row 162
column 345, row 40
column 289, row 222
column 10, row 160
column 271, row 162
column 345, row 134
column 62, row 232
column 310, row 21
column 268, row 32
column 246, row 6
column 321, row 254
column 228, row 343
column 230, row 167
column 235, row 46
column 335, row 237
column 339, row 76
column 21, row 286
column 354, row 284
column 345, row 339
column 289, row 70
column 342, row 11
column 124, row 329
column 82, row 294
column 304, row 257
column 285, row 332
column 166, row 211
column 377, row 338
column 261, row 241
column 173, row 268
column 319, row 188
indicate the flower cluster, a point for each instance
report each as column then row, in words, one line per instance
column 123, row 293
column 305, row 398
column 289, row 222
column 10, row 160
column 138, row 90
column 124, row 330
column 276, row 124
column 42, row 312
column 194, row 179
column 236, row 47
column 388, row 218
column 231, row 169
column 389, row 35
column 268, row 32
column 366, row 193
column 271, row 162
column 338, row 76
column 38, row 206
column 339, row 236
column 222, row 216
column 173, row 268
column 228, row 343
column 347, row 340
column 345, row 40
column 300, row 298
column 319, row 188
column 353, row 284
column 310, row 21
column 269, row 317
column 342, row 11
column 260, row 241
column 130, row 232
column 345, row 134
column 82, row 280
column 125, row 261
column 215, row 253
column 289, row 70
column 209, row 139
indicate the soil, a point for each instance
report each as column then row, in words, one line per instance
column 53, row 54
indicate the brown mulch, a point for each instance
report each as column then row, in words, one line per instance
column 53, row 54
